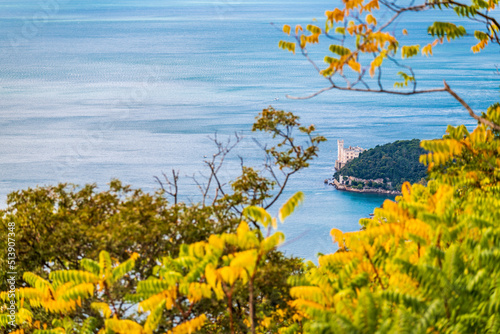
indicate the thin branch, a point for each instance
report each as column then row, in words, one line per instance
column 215, row 164
column 487, row 17
column 469, row 109
column 304, row 52
column 407, row 67
column 360, row 78
column 287, row 177
column 379, row 78
column 313, row 95
column 173, row 186
column 366, row 90
column 332, row 37
column 364, row 83
column 401, row 11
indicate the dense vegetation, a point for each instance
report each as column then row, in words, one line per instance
column 394, row 162
column 85, row 256
column 427, row 262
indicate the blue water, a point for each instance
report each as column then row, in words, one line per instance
column 102, row 89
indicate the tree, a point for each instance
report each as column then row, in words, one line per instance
column 58, row 226
column 218, row 268
column 427, row 262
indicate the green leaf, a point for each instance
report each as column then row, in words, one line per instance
column 82, row 291
column 91, row 265
column 122, row 269
column 313, row 29
column 155, row 317
column 105, row 262
column 89, row 326
column 74, row 276
column 290, row 205
column 446, row 29
column 340, row 50
column 409, row 51
column 258, row 214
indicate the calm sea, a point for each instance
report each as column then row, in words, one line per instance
column 102, row 89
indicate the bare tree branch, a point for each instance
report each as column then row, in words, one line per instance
column 214, row 165
column 401, row 11
column 366, row 90
column 469, row 109
column 173, row 187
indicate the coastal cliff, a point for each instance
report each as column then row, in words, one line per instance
column 343, row 187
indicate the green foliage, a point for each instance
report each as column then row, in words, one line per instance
column 398, row 162
column 339, row 50
column 290, row 205
column 425, row 263
column 446, row 29
column 59, row 225
column 287, row 46
column 409, row 51
column 406, row 78
column 229, row 268
column 280, row 124
column 251, row 188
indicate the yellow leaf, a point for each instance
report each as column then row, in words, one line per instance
column 310, row 293
column 154, row 318
column 286, row 29
column 354, row 65
column 190, row 326
column 370, row 19
column 211, row 275
column 371, row 5
column 336, row 15
column 216, row 242
column 124, row 326
column 479, row 46
column 427, row 50
column 242, row 229
column 246, row 260
column 19, row 331
column 337, row 236
column 406, row 190
column 102, row 308
column 290, row 205
column 272, row 242
column 405, row 32
column 228, row 274
column 258, row 214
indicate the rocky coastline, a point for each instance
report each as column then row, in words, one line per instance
column 342, row 187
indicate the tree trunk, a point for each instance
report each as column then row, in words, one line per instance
column 230, row 308
column 251, row 302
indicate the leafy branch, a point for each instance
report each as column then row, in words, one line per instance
column 360, row 37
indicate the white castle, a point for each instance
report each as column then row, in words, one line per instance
column 346, row 154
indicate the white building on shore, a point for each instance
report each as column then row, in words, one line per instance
column 346, row 154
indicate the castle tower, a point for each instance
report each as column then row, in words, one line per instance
column 340, row 147
column 340, row 154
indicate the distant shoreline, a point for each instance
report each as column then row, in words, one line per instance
column 341, row 187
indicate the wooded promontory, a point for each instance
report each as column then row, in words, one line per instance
column 394, row 163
